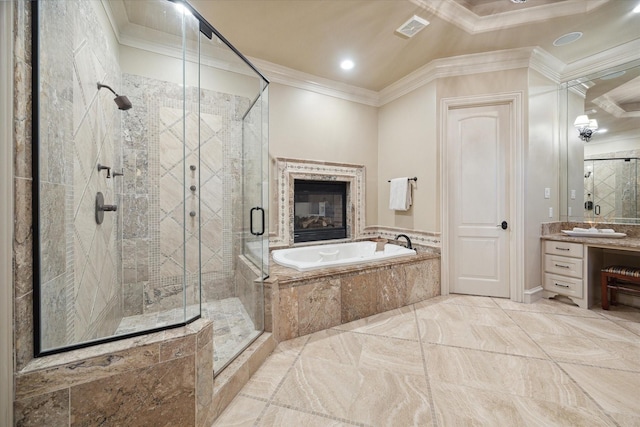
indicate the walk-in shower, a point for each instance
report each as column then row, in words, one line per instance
column 611, row 190
column 173, row 227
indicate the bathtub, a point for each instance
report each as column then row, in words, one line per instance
column 321, row 256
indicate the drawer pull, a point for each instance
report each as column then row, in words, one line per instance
column 562, row 249
column 561, row 285
column 562, row 266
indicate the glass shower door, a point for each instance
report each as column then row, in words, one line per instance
column 233, row 150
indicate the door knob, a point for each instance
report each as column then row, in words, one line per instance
column 503, row 225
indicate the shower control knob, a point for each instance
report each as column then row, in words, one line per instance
column 192, row 167
column 192, row 213
column 192, row 188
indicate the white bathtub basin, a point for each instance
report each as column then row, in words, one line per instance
column 321, row 256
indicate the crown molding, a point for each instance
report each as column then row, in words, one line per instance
column 609, row 58
column 298, row 79
column 471, row 23
column 486, row 62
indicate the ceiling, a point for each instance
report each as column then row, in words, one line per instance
column 314, row 36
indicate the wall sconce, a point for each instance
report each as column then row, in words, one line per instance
column 585, row 127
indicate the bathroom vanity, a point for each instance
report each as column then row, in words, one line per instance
column 571, row 265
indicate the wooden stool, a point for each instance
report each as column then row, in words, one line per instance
column 619, row 278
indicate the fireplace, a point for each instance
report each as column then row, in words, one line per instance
column 320, row 210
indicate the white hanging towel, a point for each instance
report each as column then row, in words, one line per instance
column 400, row 194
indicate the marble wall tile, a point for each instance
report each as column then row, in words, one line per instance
column 85, row 369
column 160, row 395
column 22, row 117
column 135, row 210
column 358, row 296
column 132, row 298
column 268, row 309
column 159, row 297
column 423, row 280
column 178, row 347
column 51, row 409
column 23, row 332
column 204, row 382
column 390, row 289
column 287, row 314
column 53, row 330
column 319, row 306
column 205, row 336
column 22, row 238
column 53, row 259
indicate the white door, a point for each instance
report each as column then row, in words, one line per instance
column 478, row 200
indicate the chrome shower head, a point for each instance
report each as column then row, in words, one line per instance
column 121, row 101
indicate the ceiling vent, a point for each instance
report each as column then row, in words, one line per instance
column 412, row 26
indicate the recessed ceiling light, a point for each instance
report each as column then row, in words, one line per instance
column 602, row 130
column 636, row 9
column 518, row 1
column 567, row 38
column 347, row 64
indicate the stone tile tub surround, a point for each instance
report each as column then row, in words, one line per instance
column 300, row 303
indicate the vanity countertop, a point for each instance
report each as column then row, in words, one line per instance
column 631, row 243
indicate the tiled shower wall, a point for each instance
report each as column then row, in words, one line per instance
column 81, row 260
column 79, row 128
column 613, row 186
column 158, row 251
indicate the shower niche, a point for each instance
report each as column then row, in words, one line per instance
column 144, row 116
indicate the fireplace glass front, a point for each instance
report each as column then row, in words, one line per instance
column 319, row 210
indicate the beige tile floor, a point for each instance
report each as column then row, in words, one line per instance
column 454, row 361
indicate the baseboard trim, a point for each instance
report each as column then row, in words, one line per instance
column 533, row 295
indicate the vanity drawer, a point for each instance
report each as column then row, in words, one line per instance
column 563, row 248
column 563, row 265
column 563, row 285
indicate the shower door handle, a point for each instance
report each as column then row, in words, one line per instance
column 261, row 232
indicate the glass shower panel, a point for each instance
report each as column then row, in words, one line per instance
column 191, row 138
column 136, row 268
column 231, row 108
column 158, row 153
column 610, row 193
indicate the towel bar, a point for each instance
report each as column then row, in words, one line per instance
column 415, row 178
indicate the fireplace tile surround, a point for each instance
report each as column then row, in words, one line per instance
column 288, row 170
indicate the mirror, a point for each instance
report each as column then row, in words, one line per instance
column 601, row 112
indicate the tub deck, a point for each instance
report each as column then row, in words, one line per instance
column 298, row 303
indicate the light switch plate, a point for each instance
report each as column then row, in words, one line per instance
column 573, row 194
column 550, row 212
column 547, row 193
